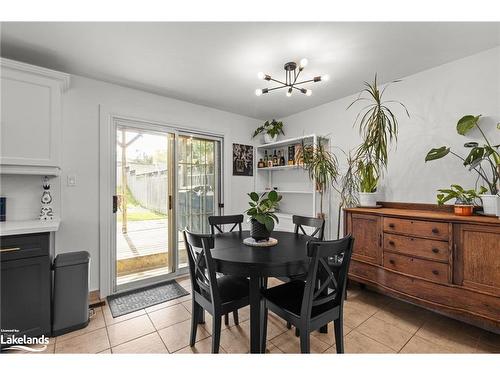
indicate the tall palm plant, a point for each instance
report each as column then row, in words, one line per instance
column 378, row 127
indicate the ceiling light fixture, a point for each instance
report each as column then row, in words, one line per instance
column 292, row 72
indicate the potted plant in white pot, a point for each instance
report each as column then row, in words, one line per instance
column 368, row 179
column 261, row 213
column 482, row 159
column 271, row 130
column 464, row 199
column 378, row 127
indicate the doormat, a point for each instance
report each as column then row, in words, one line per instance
column 130, row 301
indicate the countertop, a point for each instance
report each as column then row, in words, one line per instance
column 8, row 228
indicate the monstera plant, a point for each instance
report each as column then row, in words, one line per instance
column 484, row 160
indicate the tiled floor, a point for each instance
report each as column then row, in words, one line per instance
column 373, row 324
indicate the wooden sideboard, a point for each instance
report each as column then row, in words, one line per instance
column 427, row 256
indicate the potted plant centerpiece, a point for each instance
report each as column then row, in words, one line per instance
column 271, row 130
column 378, row 127
column 261, row 213
column 483, row 160
column 464, row 199
column 322, row 167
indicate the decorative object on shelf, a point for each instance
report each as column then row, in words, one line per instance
column 3, row 208
column 261, row 213
column 263, row 243
column 271, row 130
column 242, row 160
column 46, row 212
column 291, row 155
column 378, row 127
column 464, row 199
column 486, row 154
column 322, row 167
column 292, row 73
column 298, row 159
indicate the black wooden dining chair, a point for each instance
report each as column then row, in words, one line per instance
column 216, row 295
column 217, row 221
column 319, row 300
column 317, row 231
column 317, row 224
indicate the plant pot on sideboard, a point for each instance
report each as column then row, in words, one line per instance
column 368, row 199
column 491, row 204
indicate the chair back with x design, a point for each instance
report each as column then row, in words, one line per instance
column 201, row 265
column 326, row 283
column 216, row 222
column 312, row 222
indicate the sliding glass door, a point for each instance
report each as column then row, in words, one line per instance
column 143, row 205
column 198, row 184
column 165, row 181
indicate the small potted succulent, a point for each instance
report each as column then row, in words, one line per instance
column 261, row 213
column 464, row 199
column 271, row 130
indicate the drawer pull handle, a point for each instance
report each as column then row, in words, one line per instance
column 435, row 272
column 9, row 249
column 392, row 261
column 391, row 243
column 435, row 230
column 391, row 225
column 435, row 251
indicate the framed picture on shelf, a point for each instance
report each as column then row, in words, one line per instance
column 242, row 160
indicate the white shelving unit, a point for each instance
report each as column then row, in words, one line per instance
column 299, row 193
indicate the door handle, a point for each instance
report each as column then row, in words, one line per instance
column 9, row 249
column 115, row 203
column 169, row 202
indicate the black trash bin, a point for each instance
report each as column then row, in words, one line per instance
column 71, row 292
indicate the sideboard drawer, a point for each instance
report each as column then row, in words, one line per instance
column 24, row 246
column 426, row 269
column 427, row 229
column 420, row 247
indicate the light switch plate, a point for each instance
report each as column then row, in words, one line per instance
column 71, row 180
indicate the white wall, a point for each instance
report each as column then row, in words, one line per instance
column 436, row 99
column 80, row 156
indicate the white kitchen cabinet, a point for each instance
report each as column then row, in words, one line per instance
column 30, row 117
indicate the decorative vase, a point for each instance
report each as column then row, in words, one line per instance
column 491, row 204
column 269, row 139
column 46, row 212
column 463, row 209
column 258, row 231
column 368, row 199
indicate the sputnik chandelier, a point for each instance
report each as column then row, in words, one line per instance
column 292, row 73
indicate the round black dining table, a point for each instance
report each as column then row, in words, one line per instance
column 287, row 258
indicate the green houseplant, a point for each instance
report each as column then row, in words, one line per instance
column 464, row 199
column 322, row 167
column 261, row 213
column 484, row 160
column 348, row 188
column 378, row 127
column 271, row 130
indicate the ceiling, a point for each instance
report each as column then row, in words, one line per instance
column 216, row 64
